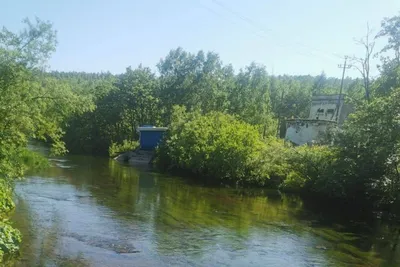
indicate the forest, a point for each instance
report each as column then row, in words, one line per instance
column 225, row 125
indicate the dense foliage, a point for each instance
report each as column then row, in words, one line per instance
column 368, row 159
column 231, row 154
column 221, row 148
column 197, row 82
column 362, row 165
column 32, row 106
column 10, row 238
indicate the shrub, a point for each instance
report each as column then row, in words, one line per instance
column 310, row 168
column 6, row 202
column 223, row 149
column 216, row 146
column 33, row 160
column 273, row 163
column 10, row 238
column 115, row 149
column 368, row 147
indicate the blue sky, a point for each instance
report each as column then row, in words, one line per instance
column 287, row 36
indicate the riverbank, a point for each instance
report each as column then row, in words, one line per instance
column 23, row 160
column 221, row 149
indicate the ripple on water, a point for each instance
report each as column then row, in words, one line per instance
column 119, row 246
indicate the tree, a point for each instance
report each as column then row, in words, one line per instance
column 296, row 97
column 249, row 97
column 390, row 68
column 369, row 148
column 138, row 95
column 319, row 84
column 363, row 64
column 122, row 104
column 196, row 81
column 32, row 106
column 30, row 48
column 391, row 30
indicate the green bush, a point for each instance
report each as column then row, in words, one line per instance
column 222, row 149
column 6, row 202
column 218, row 147
column 115, row 149
column 14, row 162
column 310, row 168
column 10, row 238
column 33, row 160
column 273, row 163
column 368, row 147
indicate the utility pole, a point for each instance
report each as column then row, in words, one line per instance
column 344, row 67
column 279, row 114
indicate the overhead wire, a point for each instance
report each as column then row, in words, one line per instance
column 268, row 31
column 264, row 29
column 253, row 32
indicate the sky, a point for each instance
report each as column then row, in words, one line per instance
column 287, row 36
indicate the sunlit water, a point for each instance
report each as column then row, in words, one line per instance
column 87, row 211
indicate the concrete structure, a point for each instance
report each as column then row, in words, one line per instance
column 306, row 131
column 326, row 112
column 137, row 157
column 150, row 136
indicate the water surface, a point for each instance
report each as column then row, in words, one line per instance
column 87, row 211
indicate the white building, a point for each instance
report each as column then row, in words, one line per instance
column 326, row 111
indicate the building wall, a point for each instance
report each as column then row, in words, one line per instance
column 345, row 111
column 303, row 131
column 324, row 107
column 321, row 118
column 150, row 139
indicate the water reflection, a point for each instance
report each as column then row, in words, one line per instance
column 88, row 211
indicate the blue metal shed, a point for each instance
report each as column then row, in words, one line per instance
column 150, row 136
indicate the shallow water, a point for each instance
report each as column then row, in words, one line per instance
column 87, row 211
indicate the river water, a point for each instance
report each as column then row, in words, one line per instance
column 87, row 211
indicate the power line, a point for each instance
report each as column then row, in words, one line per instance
column 307, row 54
column 265, row 30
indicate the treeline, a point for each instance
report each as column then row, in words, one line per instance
column 198, row 82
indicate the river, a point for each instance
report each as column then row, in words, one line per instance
column 87, row 211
